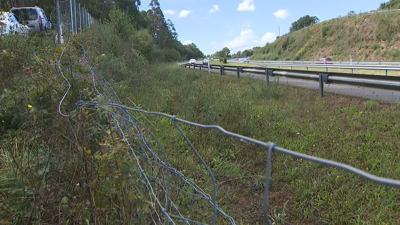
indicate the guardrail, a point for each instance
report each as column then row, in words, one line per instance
column 386, row 68
column 385, row 82
column 330, row 62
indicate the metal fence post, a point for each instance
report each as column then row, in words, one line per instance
column 83, row 17
column 72, row 18
column 267, row 76
column 238, row 72
column 75, row 22
column 80, row 17
column 59, row 34
column 221, row 70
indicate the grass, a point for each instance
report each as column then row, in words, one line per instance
column 357, row 37
column 350, row 130
column 57, row 169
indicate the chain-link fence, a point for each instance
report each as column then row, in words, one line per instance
column 71, row 18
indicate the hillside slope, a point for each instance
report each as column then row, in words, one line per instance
column 365, row 37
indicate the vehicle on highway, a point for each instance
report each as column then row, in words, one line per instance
column 10, row 24
column 325, row 61
column 206, row 61
column 34, row 17
column 192, row 61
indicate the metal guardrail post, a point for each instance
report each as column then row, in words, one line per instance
column 323, row 78
column 239, row 69
column 386, row 72
column 194, row 66
column 221, row 68
column 321, row 85
column 269, row 73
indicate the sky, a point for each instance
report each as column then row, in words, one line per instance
column 244, row 24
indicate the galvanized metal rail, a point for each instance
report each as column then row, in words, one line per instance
column 384, row 82
column 330, row 62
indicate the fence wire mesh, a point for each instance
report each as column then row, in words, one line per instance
column 65, row 16
column 70, row 16
column 174, row 197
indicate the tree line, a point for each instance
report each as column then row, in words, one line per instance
column 151, row 21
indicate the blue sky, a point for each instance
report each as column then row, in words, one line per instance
column 243, row 24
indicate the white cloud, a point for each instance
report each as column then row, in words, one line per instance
column 246, row 5
column 184, row 13
column 169, row 12
column 246, row 40
column 268, row 38
column 282, row 14
column 246, row 37
column 215, row 8
column 187, row 42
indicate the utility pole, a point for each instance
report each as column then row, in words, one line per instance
column 279, row 30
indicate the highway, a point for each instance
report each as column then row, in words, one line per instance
column 389, row 96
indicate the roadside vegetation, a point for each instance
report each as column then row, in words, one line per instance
column 354, row 131
column 363, row 37
column 54, row 170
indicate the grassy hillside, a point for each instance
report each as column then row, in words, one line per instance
column 365, row 37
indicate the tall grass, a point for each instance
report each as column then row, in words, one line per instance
column 349, row 130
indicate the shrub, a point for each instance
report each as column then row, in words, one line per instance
column 325, row 30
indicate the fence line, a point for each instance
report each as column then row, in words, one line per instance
column 72, row 18
column 161, row 181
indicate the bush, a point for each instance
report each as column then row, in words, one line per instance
column 325, row 30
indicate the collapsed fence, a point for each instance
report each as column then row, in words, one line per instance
column 169, row 191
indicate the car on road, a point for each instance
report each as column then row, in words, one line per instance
column 206, row 61
column 34, row 18
column 10, row 24
column 325, row 61
column 192, row 61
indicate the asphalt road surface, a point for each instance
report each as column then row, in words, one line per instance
column 390, row 96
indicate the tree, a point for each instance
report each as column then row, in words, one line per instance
column 304, row 21
column 223, row 53
column 392, row 4
column 226, row 51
